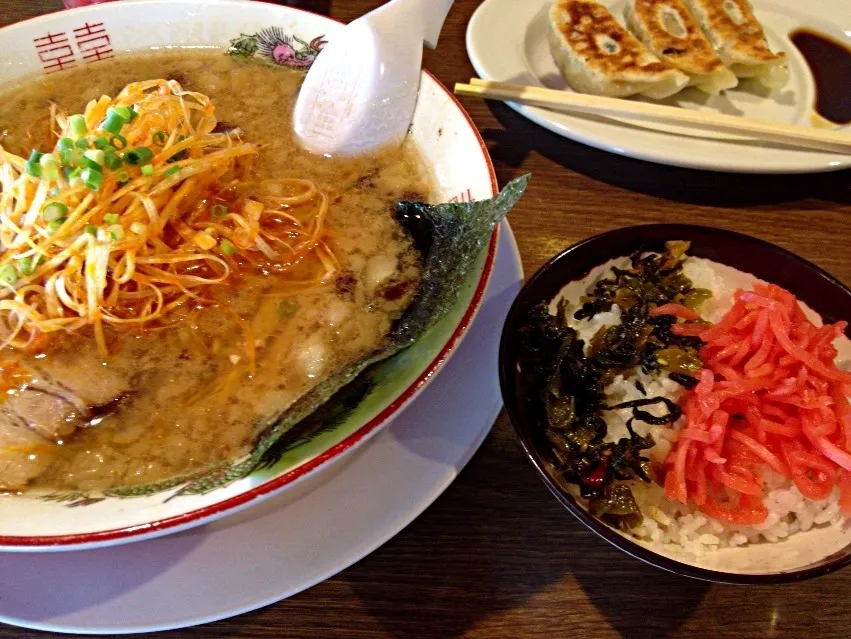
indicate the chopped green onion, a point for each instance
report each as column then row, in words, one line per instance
column 33, row 167
column 91, row 178
column 148, row 169
column 77, row 125
column 73, row 175
column 49, row 166
column 138, row 228
column 114, row 120
column 133, row 114
column 111, row 218
column 122, row 176
column 228, row 248
column 66, row 149
column 123, row 111
column 116, row 231
column 287, row 308
column 53, row 211
column 76, row 157
column 138, row 155
column 112, row 124
column 112, row 161
column 82, row 143
column 47, row 159
column 91, row 229
column 95, row 155
column 118, row 141
column 8, row 274
column 101, row 142
column 53, row 192
column 219, row 211
column 159, row 137
column 171, row 171
column 26, row 267
column 55, row 225
column 88, row 163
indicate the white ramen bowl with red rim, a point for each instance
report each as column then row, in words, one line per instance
column 278, row 35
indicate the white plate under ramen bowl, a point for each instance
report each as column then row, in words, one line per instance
column 461, row 170
column 507, row 42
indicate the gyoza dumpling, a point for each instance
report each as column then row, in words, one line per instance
column 669, row 31
column 739, row 40
column 597, row 55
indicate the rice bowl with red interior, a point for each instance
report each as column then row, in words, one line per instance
column 689, row 409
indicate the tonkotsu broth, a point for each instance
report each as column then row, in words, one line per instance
column 185, row 397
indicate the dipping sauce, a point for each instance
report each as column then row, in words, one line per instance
column 830, row 64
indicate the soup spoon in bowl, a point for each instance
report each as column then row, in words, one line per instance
column 361, row 91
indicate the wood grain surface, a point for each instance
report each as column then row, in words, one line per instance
column 496, row 556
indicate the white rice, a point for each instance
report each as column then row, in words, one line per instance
column 673, row 525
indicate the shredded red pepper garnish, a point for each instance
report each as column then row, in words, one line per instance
column 770, row 396
column 677, row 310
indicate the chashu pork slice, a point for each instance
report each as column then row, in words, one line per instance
column 668, row 29
column 31, row 424
column 24, row 454
column 595, row 54
column 52, row 398
column 739, row 39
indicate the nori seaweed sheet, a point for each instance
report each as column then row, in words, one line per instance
column 451, row 237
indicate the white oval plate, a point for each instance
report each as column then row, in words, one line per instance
column 507, row 42
column 294, row 540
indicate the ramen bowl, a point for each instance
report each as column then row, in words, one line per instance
column 461, row 171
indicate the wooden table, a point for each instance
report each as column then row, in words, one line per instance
column 496, row 556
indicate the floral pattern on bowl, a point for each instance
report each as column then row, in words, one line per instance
column 274, row 44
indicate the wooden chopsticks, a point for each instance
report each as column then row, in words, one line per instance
column 789, row 134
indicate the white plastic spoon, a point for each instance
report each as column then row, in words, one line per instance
column 361, row 91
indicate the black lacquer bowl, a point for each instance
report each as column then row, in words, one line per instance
column 819, row 290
